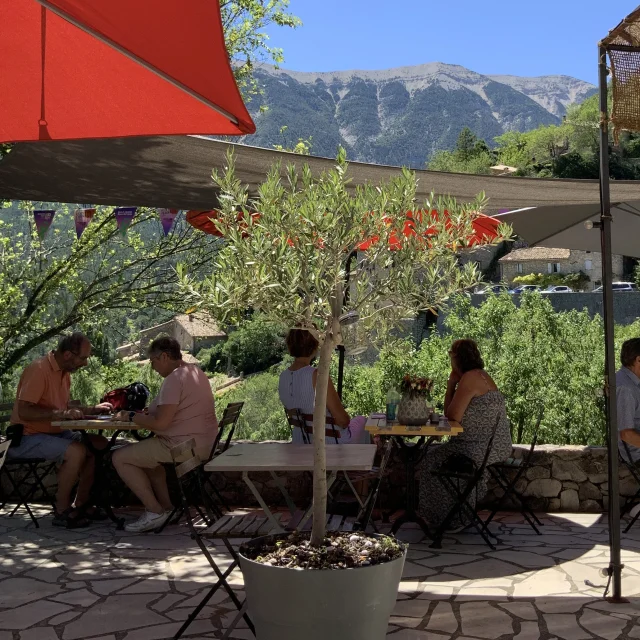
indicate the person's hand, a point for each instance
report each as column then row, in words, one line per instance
column 454, row 378
column 72, row 414
column 121, row 416
column 103, row 407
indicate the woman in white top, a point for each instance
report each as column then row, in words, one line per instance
column 297, row 390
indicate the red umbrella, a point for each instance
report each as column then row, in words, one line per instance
column 485, row 228
column 111, row 68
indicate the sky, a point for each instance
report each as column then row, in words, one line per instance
column 542, row 37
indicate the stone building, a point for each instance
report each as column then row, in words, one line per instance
column 524, row 261
column 194, row 331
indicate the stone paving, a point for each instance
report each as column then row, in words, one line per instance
column 103, row 584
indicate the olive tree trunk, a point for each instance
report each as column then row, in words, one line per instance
column 319, row 529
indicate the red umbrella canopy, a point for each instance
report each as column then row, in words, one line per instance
column 485, row 228
column 111, row 68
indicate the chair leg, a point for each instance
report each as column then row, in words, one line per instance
column 509, row 490
column 23, row 499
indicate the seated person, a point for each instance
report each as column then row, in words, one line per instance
column 42, row 397
column 297, row 386
column 473, row 400
column 628, row 399
column 184, row 409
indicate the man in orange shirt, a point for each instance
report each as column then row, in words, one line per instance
column 43, row 397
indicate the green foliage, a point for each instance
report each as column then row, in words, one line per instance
column 61, row 282
column 255, row 345
column 301, row 148
column 262, row 416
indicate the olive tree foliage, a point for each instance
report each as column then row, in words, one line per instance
column 289, row 262
column 244, row 23
column 50, row 285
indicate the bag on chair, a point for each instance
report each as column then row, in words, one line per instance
column 133, row 397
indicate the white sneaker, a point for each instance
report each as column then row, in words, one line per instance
column 148, row 521
column 634, row 512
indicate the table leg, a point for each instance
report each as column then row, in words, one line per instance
column 283, row 490
column 411, row 455
column 261, row 502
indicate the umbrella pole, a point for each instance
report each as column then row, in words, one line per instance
column 615, row 568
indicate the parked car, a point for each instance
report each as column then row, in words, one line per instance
column 526, row 288
column 619, row 286
column 494, row 288
column 558, row 288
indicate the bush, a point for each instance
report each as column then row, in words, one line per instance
column 254, row 346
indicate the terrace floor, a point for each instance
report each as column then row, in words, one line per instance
column 103, row 584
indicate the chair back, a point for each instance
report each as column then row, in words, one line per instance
column 229, row 419
column 304, row 422
column 534, row 439
column 4, row 447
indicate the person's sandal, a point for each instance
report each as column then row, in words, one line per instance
column 70, row 518
column 93, row 513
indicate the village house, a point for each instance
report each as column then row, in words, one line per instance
column 528, row 260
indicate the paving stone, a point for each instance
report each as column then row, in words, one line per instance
column 631, row 608
column 30, row 614
column 411, row 608
column 482, row 620
column 524, row 558
column 75, row 585
column 415, row 634
column 414, row 570
column 108, row 616
column 168, row 601
column 46, row 574
column 39, row 633
column 157, row 584
column 565, row 625
column 443, row 619
column 79, row 597
column 482, row 592
column 448, row 559
column 602, row 625
column 405, row 622
column 488, row 568
column 105, row 587
column 541, row 583
column 528, row 631
column 64, row 617
column 522, row 610
column 159, row 632
column 635, row 632
column 19, row 591
column 563, row 604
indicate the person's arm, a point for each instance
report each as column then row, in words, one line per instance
column 464, row 393
column 96, row 410
column 631, row 436
column 334, row 404
column 159, row 421
column 32, row 412
column 627, row 411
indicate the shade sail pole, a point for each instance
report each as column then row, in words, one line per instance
column 615, row 568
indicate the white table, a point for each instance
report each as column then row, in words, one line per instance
column 286, row 457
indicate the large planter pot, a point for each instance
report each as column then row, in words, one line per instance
column 332, row 604
column 413, row 409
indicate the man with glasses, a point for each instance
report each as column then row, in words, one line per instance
column 43, row 397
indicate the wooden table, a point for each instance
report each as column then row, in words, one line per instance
column 287, row 457
column 411, row 455
column 99, row 485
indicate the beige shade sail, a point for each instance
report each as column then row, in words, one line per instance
column 175, row 171
column 564, row 226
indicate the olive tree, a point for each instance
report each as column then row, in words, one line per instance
column 298, row 260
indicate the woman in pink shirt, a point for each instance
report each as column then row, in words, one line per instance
column 184, row 409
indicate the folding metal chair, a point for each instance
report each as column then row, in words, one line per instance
column 460, row 475
column 186, row 463
column 516, row 467
column 634, row 469
column 36, row 470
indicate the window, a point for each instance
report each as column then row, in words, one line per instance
column 553, row 267
column 519, row 267
column 588, row 265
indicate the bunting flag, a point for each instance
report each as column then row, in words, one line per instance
column 43, row 219
column 167, row 216
column 83, row 217
column 124, row 218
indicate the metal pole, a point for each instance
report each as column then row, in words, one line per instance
column 615, row 568
column 345, row 301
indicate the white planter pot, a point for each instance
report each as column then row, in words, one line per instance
column 413, row 409
column 332, row 604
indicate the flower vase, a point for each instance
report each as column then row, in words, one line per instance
column 413, row 409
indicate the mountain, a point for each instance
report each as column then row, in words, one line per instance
column 402, row 116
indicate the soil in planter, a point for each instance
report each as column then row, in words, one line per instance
column 340, row 551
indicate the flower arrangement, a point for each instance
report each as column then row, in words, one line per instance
column 414, row 384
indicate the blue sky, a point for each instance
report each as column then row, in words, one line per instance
column 543, row 37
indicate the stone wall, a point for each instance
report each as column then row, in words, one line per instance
column 567, row 478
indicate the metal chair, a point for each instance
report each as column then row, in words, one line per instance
column 460, row 475
column 500, row 472
column 186, row 464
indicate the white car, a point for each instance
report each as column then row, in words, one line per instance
column 619, row 286
column 558, row 288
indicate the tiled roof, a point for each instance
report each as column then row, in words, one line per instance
column 536, row 253
column 200, row 326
